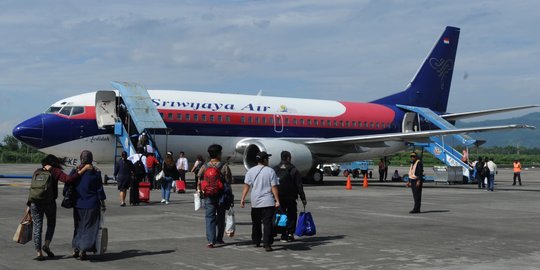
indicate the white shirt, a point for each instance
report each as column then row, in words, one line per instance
column 492, row 167
column 182, row 164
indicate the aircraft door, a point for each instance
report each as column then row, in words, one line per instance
column 105, row 109
column 410, row 123
column 278, row 123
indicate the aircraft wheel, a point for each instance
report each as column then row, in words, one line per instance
column 317, row 177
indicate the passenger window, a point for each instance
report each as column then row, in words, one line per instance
column 370, row 124
column 264, row 120
column 211, row 118
column 353, row 123
column 195, row 117
column 249, row 120
column 203, row 117
column 382, row 125
column 257, row 120
column 227, row 119
column 295, row 122
column 170, row 116
column 161, row 114
column 309, row 122
column 316, row 122
column 242, row 119
column 77, row 110
column 301, row 122
column 178, row 116
column 377, row 125
column 329, row 123
column 340, row 123
column 188, row 117
column 347, row 124
column 66, row 110
column 359, row 124
column 287, row 121
column 271, row 120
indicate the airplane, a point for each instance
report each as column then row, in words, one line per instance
column 314, row 131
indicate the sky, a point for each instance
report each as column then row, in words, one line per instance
column 338, row 50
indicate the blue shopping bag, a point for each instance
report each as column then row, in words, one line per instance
column 306, row 225
column 281, row 219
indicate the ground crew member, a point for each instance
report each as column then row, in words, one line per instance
column 416, row 173
column 517, row 172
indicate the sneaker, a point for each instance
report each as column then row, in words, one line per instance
column 210, row 245
column 166, row 202
column 123, row 204
column 163, row 201
column 268, row 248
column 283, row 239
column 290, row 238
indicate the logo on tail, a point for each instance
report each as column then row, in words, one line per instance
column 442, row 66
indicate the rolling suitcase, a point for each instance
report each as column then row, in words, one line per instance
column 180, row 186
column 144, row 192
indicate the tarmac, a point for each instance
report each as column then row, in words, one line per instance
column 460, row 227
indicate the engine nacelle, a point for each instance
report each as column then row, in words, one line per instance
column 301, row 156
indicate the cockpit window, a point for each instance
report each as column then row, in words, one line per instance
column 66, row 110
column 53, row 109
column 77, row 110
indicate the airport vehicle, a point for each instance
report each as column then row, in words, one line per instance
column 331, row 169
column 314, row 131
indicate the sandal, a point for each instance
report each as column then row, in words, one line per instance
column 75, row 253
column 39, row 258
column 48, row 251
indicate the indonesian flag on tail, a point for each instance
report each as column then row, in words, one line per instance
column 446, row 40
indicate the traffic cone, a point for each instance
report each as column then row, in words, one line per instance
column 348, row 186
column 365, row 185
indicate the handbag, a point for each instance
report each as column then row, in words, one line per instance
column 69, row 199
column 160, row 176
column 280, row 219
column 24, row 231
column 230, row 223
column 306, row 225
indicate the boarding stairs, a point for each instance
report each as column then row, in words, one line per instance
column 142, row 114
column 437, row 146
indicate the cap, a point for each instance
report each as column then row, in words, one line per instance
column 263, row 155
column 169, row 153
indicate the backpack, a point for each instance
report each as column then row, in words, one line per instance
column 139, row 167
column 287, row 184
column 212, row 183
column 226, row 200
column 41, row 187
column 485, row 171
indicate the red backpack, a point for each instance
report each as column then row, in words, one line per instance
column 212, row 183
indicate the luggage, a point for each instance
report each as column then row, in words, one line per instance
column 280, row 220
column 144, row 191
column 180, row 186
column 230, row 223
column 306, row 225
column 103, row 236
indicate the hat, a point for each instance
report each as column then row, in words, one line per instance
column 169, row 153
column 262, row 155
column 413, row 154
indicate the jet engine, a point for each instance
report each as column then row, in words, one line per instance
column 301, row 156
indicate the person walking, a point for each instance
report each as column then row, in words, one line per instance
column 263, row 182
column 479, row 168
column 183, row 167
column 491, row 176
column 86, row 213
column 290, row 187
column 386, row 164
column 152, row 166
column 140, row 170
column 196, row 167
column 123, row 173
column 170, row 172
column 211, row 175
column 416, row 173
column 381, row 170
column 517, row 172
column 42, row 200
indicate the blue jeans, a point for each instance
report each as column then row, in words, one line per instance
column 215, row 220
column 491, row 181
column 166, row 188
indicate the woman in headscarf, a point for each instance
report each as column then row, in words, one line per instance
column 123, row 172
column 51, row 168
column 86, row 213
column 171, row 173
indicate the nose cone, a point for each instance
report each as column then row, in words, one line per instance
column 30, row 132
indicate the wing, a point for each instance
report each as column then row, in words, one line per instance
column 457, row 116
column 421, row 136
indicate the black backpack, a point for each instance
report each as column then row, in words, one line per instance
column 139, row 167
column 287, row 184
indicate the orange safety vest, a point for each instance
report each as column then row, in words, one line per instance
column 412, row 176
column 517, row 167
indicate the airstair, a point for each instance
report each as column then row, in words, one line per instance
column 131, row 114
column 437, row 146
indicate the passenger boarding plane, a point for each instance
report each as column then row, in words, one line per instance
column 314, row 131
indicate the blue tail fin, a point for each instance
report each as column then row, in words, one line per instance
column 430, row 86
